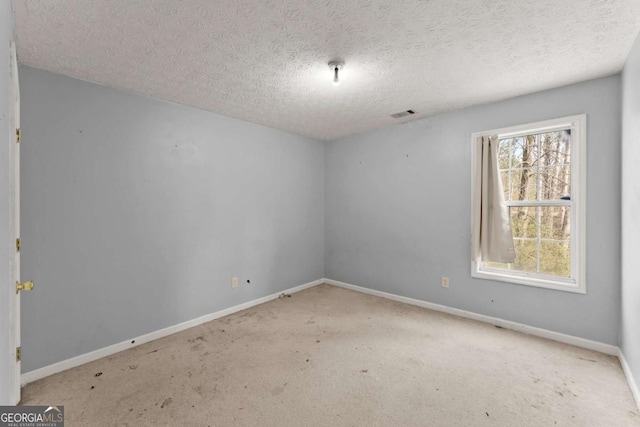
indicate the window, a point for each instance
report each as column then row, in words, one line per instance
column 542, row 170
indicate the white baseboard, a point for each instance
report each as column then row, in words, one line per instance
column 63, row 365
column 630, row 379
column 539, row 332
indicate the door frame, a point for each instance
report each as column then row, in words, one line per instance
column 14, row 224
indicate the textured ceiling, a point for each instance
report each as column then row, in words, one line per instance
column 265, row 61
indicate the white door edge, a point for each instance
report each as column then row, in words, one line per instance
column 15, row 225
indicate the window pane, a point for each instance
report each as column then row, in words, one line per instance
column 524, row 221
column 555, row 222
column 504, row 153
column 523, row 183
column 554, row 148
column 555, row 182
column 526, row 255
column 555, row 258
column 525, row 152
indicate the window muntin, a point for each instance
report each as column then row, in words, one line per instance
column 542, row 167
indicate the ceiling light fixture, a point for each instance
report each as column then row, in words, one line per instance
column 336, row 66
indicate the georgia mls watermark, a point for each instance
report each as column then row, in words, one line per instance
column 31, row 416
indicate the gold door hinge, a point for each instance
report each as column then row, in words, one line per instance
column 18, row 135
column 18, row 354
column 18, row 245
column 24, row 286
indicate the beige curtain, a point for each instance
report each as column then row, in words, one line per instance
column 496, row 238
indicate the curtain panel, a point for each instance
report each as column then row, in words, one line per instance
column 494, row 241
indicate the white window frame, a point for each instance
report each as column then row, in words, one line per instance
column 577, row 281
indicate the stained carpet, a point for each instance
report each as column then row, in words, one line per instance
column 332, row 357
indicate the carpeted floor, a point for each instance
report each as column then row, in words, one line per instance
column 332, row 357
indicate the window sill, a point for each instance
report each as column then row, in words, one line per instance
column 528, row 281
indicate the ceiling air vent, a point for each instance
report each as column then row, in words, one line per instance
column 403, row 114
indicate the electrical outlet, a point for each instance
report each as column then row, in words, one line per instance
column 234, row 282
column 445, row 282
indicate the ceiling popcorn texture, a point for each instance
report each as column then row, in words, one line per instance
column 266, row 61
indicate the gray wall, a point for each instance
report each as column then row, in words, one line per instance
column 6, row 249
column 397, row 204
column 630, row 331
column 137, row 212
